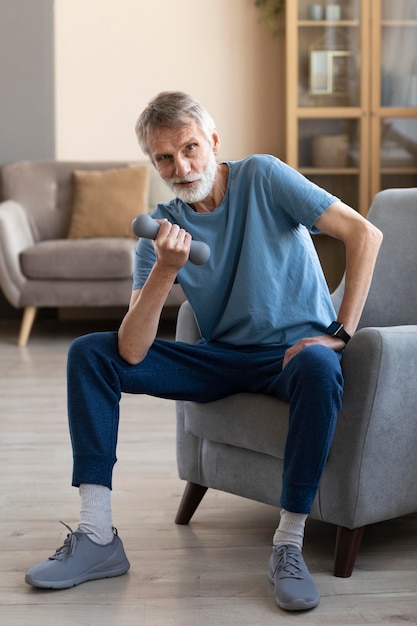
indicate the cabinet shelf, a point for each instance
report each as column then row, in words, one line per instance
column 407, row 171
column 327, row 23
column 328, row 112
column 325, row 171
column 399, row 23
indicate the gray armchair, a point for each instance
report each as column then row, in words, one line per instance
column 236, row 444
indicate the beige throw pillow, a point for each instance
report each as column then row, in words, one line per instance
column 106, row 201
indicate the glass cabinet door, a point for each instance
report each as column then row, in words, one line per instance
column 328, row 54
column 352, row 95
column 395, row 95
column 325, row 137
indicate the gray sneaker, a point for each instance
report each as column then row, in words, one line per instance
column 79, row 560
column 294, row 587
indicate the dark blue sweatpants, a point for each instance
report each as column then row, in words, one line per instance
column 311, row 382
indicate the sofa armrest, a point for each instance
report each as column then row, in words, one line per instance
column 371, row 472
column 15, row 236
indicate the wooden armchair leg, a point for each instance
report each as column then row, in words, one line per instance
column 29, row 315
column 347, row 547
column 192, row 496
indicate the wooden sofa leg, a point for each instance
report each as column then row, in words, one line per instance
column 347, row 547
column 192, row 496
column 29, row 315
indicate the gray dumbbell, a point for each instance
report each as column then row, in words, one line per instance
column 144, row 226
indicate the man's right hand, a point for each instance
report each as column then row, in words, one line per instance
column 172, row 245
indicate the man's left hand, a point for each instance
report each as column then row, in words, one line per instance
column 334, row 343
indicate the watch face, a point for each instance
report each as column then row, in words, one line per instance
column 334, row 328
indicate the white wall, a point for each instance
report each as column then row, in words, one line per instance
column 113, row 56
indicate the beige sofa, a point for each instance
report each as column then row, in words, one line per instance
column 51, row 255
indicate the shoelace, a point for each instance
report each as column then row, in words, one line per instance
column 288, row 565
column 69, row 544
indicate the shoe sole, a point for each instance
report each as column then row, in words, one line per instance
column 66, row 584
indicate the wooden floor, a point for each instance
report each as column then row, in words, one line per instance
column 212, row 572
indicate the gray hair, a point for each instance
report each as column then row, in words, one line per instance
column 170, row 109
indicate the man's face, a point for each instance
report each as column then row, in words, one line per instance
column 185, row 159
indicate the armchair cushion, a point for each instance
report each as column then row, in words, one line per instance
column 103, row 258
column 262, row 426
column 106, row 201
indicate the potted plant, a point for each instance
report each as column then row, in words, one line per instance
column 270, row 12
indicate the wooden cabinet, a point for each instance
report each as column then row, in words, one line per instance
column 351, row 107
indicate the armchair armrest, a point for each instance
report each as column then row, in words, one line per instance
column 15, row 236
column 187, row 328
column 371, row 472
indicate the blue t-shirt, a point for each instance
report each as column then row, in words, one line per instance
column 263, row 283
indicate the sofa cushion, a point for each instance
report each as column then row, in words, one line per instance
column 158, row 190
column 105, row 202
column 103, row 258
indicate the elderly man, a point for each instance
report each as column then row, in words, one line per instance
column 265, row 315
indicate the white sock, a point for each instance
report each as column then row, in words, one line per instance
column 290, row 529
column 95, row 514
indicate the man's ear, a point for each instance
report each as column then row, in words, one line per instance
column 216, row 143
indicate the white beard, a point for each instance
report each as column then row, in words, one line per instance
column 202, row 189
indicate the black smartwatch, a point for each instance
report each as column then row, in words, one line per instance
column 336, row 329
